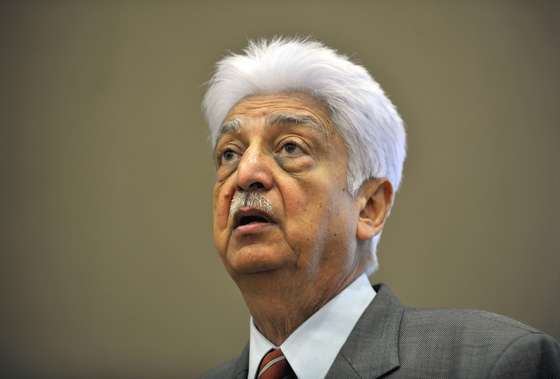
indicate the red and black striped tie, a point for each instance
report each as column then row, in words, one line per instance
column 275, row 366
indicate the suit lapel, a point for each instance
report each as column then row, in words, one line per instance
column 371, row 350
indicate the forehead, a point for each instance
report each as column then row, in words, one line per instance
column 295, row 103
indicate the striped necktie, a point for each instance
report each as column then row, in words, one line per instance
column 275, row 366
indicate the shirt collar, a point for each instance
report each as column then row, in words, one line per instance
column 320, row 337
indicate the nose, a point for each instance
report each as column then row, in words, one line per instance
column 253, row 171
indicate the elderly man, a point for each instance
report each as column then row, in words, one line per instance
column 309, row 154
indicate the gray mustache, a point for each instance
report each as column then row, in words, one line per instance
column 251, row 199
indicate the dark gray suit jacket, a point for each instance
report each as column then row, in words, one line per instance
column 393, row 341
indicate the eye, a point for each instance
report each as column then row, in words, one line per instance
column 228, row 155
column 293, row 154
column 291, row 148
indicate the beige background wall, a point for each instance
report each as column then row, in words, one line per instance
column 108, row 270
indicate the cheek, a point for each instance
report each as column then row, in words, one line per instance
column 318, row 214
column 222, row 201
column 306, row 214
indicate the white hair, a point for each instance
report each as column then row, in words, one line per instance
column 364, row 117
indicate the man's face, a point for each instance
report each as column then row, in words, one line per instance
column 281, row 202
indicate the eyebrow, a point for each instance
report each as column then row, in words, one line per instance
column 234, row 124
column 230, row 126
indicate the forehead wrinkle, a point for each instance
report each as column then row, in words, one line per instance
column 276, row 118
column 278, row 109
column 292, row 118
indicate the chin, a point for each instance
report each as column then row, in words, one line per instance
column 258, row 258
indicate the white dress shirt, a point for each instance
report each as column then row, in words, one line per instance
column 313, row 346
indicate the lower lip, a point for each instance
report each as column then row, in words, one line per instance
column 254, row 227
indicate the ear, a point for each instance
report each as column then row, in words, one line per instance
column 375, row 200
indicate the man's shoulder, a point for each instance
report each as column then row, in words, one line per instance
column 452, row 324
column 472, row 341
column 463, row 322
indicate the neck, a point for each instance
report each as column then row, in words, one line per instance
column 278, row 310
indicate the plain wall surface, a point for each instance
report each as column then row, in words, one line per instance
column 108, row 266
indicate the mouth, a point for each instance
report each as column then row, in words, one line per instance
column 251, row 220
